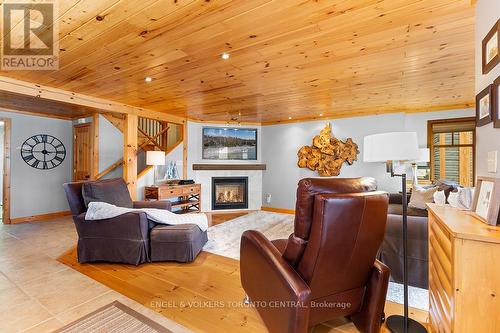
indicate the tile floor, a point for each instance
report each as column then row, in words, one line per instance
column 39, row 294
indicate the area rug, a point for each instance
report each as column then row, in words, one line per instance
column 224, row 239
column 114, row 317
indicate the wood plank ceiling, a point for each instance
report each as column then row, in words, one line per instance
column 288, row 58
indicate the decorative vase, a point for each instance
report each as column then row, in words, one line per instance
column 175, row 174
column 439, row 198
column 462, row 198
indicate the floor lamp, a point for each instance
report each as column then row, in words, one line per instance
column 389, row 148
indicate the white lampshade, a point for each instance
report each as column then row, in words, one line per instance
column 393, row 146
column 155, row 157
column 424, row 155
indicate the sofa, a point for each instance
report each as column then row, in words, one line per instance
column 391, row 252
column 129, row 238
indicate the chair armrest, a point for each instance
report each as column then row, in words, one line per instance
column 266, row 277
column 163, row 204
column 131, row 226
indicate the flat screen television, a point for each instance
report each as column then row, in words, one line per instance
column 226, row 143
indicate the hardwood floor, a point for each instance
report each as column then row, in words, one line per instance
column 218, row 218
column 205, row 296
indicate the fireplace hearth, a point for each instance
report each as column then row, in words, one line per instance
column 229, row 193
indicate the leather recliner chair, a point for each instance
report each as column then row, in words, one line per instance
column 327, row 268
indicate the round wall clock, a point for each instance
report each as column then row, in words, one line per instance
column 43, row 152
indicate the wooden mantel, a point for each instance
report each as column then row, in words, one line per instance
column 220, row 166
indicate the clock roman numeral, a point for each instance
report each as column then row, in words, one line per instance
column 29, row 157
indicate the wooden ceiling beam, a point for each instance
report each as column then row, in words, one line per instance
column 98, row 104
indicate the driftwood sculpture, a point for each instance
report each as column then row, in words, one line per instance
column 327, row 154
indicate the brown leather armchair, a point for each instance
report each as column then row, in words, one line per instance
column 327, row 268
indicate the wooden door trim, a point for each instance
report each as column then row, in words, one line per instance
column 430, row 143
column 6, row 171
column 75, row 146
column 94, row 132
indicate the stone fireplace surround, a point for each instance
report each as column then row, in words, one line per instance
column 204, row 177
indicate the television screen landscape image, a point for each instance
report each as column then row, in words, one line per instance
column 222, row 143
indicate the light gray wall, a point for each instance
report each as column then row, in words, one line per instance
column 2, row 142
column 33, row 191
column 488, row 137
column 110, row 147
column 281, row 143
column 195, row 137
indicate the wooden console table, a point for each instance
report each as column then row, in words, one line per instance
column 188, row 196
column 464, row 272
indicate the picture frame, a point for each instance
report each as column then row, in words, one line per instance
column 496, row 102
column 484, row 106
column 229, row 143
column 424, row 173
column 486, row 204
column 491, row 48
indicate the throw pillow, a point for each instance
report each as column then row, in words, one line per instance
column 420, row 196
column 112, row 191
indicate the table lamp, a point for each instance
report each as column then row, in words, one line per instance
column 155, row 158
column 424, row 156
column 396, row 147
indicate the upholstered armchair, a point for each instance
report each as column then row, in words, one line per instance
column 327, row 268
column 123, row 239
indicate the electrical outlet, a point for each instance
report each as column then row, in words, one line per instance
column 492, row 161
column 268, row 198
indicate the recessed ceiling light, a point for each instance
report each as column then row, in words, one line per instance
column 225, row 56
column 148, row 79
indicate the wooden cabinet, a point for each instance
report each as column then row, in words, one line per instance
column 464, row 272
column 187, row 198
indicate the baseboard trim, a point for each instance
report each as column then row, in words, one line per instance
column 41, row 217
column 278, row 210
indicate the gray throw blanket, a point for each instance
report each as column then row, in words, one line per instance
column 102, row 210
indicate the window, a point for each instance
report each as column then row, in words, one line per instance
column 452, row 144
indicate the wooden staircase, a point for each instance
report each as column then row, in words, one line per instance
column 152, row 135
